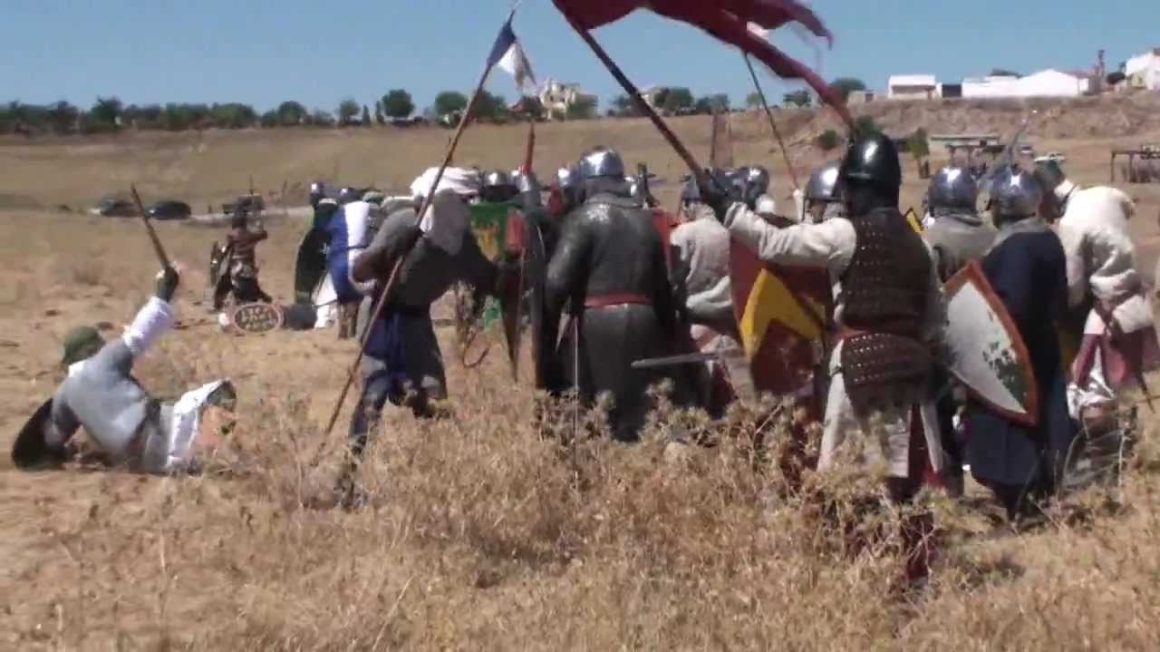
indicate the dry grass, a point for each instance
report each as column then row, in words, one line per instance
column 482, row 532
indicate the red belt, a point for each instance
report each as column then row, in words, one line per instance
column 615, row 299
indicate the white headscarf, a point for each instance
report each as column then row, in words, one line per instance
column 445, row 221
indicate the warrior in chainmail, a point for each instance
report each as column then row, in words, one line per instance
column 889, row 311
column 820, row 200
column 1026, row 268
column 609, row 262
column 957, row 235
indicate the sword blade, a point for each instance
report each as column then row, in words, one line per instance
column 677, row 360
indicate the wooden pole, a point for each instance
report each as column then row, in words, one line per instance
column 158, row 248
column 772, row 124
column 394, row 276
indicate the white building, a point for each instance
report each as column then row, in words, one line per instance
column 557, row 97
column 912, row 87
column 1046, row 83
column 1143, row 70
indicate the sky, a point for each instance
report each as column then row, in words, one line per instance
column 262, row 52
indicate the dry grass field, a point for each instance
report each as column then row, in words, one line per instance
column 481, row 532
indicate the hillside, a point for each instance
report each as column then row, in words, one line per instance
column 214, row 166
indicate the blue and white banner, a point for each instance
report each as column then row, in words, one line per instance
column 509, row 55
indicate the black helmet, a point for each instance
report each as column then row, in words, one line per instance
column 872, row 160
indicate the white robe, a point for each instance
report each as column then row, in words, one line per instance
column 831, row 244
column 1101, row 263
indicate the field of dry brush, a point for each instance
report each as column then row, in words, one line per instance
column 482, row 532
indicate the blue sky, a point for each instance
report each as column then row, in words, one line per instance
column 265, row 51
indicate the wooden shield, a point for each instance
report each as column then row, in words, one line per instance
column 988, row 354
column 257, row 317
column 489, row 225
column 781, row 316
column 310, row 265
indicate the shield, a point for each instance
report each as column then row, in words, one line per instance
column 257, row 317
column 781, row 317
column 535, row 271
column 310, row 265
column 219, row 263
column 988, row 354
column 488, row 223
column 663, row 222
column 30, row 449
column 512, row 297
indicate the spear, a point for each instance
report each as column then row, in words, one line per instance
column 158, row 248
column 772, row 123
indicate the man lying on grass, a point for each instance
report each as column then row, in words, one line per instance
column 129, row 426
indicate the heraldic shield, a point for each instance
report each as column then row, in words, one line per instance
column 781, row 316
column 987, row 353
column 310, row 266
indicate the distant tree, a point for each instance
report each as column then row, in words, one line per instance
column 677, row 100
column 490, row 107
column 582, row 109
column 624, row 106
column 919, row 146
column 63, row 117
column 366, row 116
column 292, row 114
column 380, row 119
column 829, row 140
column 753, row 100
column 397, row 104
column 347, row 112
column 106, row 113
column 530, row 107
column 801, row 98
column 866, row 126
column 269, row 119
column 322, row 118
column 713, row 103
column 847, row 85
column 142, row 117
column 448, row 102
column 232, row 115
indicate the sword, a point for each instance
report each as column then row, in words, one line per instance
column 678, row 360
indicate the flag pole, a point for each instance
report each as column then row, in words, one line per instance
column 394, row 276
column 772, row 123
column 694, row 167
column 158, row 248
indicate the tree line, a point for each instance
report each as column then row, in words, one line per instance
column 396, row 106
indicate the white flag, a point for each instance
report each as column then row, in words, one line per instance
column 516, row 63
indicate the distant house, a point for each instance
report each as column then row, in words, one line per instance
column 861, row 97
column 1046, row 83
column 557, row 97
column 1143, row 70
column 912, row 87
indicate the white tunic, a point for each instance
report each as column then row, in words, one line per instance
column 831, row 244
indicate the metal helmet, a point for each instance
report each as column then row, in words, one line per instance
column 953, row 188
column 757, row 179
column 823, row 183
column 872, row 160
column 567, row 177
column 348, row 195
column 525, row 182
column 497, row 179
column 1015, row 194
column 602, row 162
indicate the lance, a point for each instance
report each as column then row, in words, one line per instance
column 394, row 276
column 772, row 123
column 158, row 248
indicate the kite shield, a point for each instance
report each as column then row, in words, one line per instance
column 988, row 354
column 781, row 316
column 310, row 266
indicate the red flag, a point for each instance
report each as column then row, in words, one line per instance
column 728, row 21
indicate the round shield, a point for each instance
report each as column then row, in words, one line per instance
column 257, row 317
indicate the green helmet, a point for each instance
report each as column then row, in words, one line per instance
column 81, row 343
